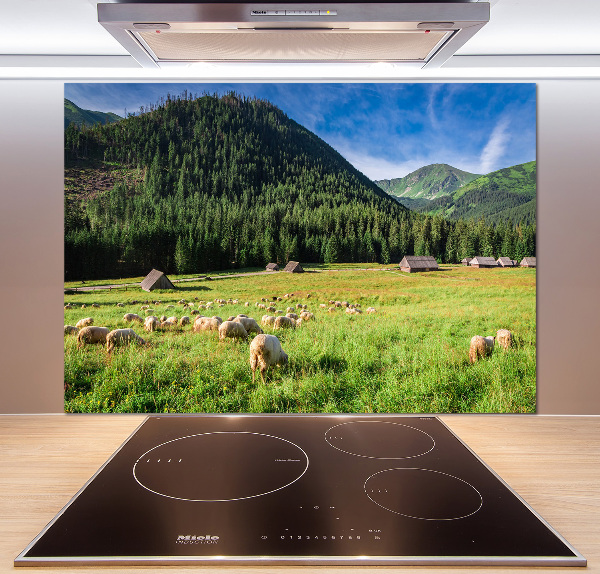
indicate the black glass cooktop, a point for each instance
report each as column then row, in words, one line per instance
column 269, row 489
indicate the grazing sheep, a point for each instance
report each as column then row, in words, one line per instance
column 504, row 338
column 246, row 304
column 250, row 324
column 120, row 305
column 298, row 305
column 71, row 330
column 95, row 306
column 144, row 307
column 266, row 351
column 122, row 337
column 84, row 306
column 207, row 324
column 172, row 320
column 283, row 322
column 323, row 306
column 271, row 309
column 131, row 317
column 267, row 320
column 162, row 318
column 68, row 306
column 331, row 309
column 292, row 315
column 232, row 330
column 151, row 324
column 194, row 312
column 91, row 336
column 371, row 310
column 170, row 307
column 353, row 311
column 84, row 322
column 480, row 347
column 307, row 316
column 185, row 320
column 149, row 311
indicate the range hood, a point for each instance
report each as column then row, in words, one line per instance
column 417, row 34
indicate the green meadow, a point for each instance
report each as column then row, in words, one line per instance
column 411, row 355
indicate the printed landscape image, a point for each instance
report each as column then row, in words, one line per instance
column 300, row 247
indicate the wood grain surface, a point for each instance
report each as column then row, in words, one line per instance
column 553, row 462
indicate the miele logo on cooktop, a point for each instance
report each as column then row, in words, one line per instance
column 195, row 539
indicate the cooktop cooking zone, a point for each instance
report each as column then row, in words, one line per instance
column 296, row 489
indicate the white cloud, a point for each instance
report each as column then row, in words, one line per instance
column 495, row 147
column 376, row 168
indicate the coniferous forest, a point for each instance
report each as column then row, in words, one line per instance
column 195, row 184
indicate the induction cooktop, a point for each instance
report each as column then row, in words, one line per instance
column 296, row 489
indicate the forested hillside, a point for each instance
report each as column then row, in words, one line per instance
column 75, row 115
column 198, row 184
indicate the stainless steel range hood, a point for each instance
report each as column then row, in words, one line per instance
column 418, row 34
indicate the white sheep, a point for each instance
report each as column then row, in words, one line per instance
column 291, row 315
column 92, row 335
column 266, row 351
column 307, row 316
column 122, row 337
column 151, row 324
column 283, row 322
column 371, row 310
column 84, row 322
column 95, row 306
column 71, row 330
column 120, row 305
column 207, row 324
column 68, row 306
column 185, row 320
column 232, row 330
column 480, row 347
column 353, row 311
column 250, row 324
column 131, row 317
column 504, row 338
column 267, row 320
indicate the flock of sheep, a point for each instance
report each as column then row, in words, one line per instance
column 265, row 349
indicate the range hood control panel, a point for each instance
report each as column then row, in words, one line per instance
column 293, row 12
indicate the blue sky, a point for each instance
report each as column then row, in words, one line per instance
column 385, row 130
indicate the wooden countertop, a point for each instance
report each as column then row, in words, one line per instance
column 553, row 462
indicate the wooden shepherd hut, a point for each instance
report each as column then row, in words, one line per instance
column 481, row 262
column 418, row 263
column 466, row 260
column 294, row 267
column 505, row 262
column 528, row 262
column 272, row 267
column 156, row 280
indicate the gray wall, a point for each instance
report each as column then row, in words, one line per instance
column 31, row 246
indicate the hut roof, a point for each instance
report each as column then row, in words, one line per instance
column 272, row 267
column 528, row 261
column 506, row 262
column 483, row 261
column 419, row 262
column 156, row 280
column 466, row 260
column 294, row 267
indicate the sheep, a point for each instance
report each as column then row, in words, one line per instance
column 170, row 307
column 230, row 318
column 91, row 335
column 185, row 320
column 267, row 320
column 290, row 310
column 250, row 324
column 84, row 322
column 120, row 305
column 353, row 311
column 371, row 310
column 331, row 309
column 84, row 306
column 323, row 306
column 71, row 330
column 266, row 351
column 149, row 311
column 233, row 330
column 246, row 304
column 68, row 306
column 144, row 307
column 172, row 320
column 95, row 306
column 307, row 316
column 504, row 338
column 207, row 324
column 122, row 337
column 480, row 347
column 194, row 312
column 151, row 324
column 162, row 318
column 283, row 322
column 131, row 317
column 298, row 305
column 292, row 316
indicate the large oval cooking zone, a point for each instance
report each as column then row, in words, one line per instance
column 220, row 466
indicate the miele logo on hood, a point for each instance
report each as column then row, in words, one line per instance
column 196, row 539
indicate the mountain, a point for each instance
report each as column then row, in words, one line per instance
column 74, row 114
column 427, row 182
column 505, row 195
column 193, row 185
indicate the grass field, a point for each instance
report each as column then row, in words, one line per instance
column 410, row 356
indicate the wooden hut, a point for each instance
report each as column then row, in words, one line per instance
column 272, row 267
column 418, row 263
column 528, row 262
column 466, row 260
column 156, row 280
column 505, row 262
column 294, row 267
column 481, row 262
